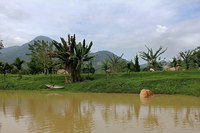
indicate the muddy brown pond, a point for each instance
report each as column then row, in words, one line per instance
column 39, row 112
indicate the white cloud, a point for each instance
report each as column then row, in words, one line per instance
column 115, row 25
column 19, row 40
column 161, row 29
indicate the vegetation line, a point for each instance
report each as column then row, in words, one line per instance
column 74, row 61
column 166, row 82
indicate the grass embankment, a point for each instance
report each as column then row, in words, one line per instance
column 166, row 82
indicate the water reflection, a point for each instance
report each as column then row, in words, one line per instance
column 26, row 111
column 146, row 100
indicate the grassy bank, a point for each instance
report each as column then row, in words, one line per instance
column 182, row 82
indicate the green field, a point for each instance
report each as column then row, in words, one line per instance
column 163, row 82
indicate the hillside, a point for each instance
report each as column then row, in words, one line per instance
column 100, row 57
column 10, row 53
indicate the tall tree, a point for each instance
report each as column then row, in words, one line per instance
column 137, row 66
column 82, row 55
column 151, row 57
column 39, row 51
column 73, row 55
column 187, row 57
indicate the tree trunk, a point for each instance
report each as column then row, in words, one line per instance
column 75, row 75
column 72, row 73
column 187, row 65
column 79, row 73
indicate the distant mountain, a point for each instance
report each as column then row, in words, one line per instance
column 143, row 65
column 164, row 63
column 100, row 57
column 10, row 53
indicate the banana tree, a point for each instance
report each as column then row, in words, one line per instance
column 105, row 66
column 114, row 62
column 152, row 57
column 187, row 57
column 73, row 55
column 82, row 52
column 65, row 51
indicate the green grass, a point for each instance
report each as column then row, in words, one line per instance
column 166, row 82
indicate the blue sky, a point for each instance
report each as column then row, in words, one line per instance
column 120, row 26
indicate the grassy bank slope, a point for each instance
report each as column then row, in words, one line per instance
column 182, row 82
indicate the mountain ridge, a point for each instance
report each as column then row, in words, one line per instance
column 10, row 53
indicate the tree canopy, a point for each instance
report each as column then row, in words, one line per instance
column 151, row 57
column 39, row 52
column 73, row 55
column 18, row 63
column 186, row 57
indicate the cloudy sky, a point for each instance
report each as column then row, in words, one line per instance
column 120, row 26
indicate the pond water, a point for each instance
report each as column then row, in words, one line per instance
column 34, row 111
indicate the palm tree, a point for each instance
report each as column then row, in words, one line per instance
column 64, row 52
column 73, row 55
column 114, row 61
column 105, row 66
column 18, row 63
column 187, row 56
column 152, row 57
